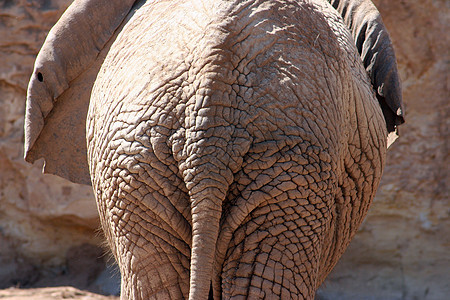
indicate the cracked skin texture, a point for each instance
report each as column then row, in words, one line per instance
column 232, row 144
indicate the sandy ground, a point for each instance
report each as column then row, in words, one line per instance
column 53, row 293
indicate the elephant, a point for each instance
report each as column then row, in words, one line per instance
column 233, row 147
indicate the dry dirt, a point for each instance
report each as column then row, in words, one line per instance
column 54, row 293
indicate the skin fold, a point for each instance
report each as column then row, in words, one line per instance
column 234, row 147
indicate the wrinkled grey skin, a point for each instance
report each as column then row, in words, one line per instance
column 234, row 147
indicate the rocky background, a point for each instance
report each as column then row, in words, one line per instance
column 48, row 226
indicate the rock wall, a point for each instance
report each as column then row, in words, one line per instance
column 402, row 250
column 42, row 217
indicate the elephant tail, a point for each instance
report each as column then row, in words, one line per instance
column 207, row 177
column 206, row 211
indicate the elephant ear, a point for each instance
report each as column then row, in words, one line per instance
column 60, row 86
column 378, row 56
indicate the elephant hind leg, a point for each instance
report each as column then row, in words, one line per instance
column 144, row 210
column 142, row 215
column 153, row 278
column 275, row 252
column 278, row 258
column 153, row 260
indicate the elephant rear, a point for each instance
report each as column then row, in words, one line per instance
column 206, row 126
column 233, row 146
